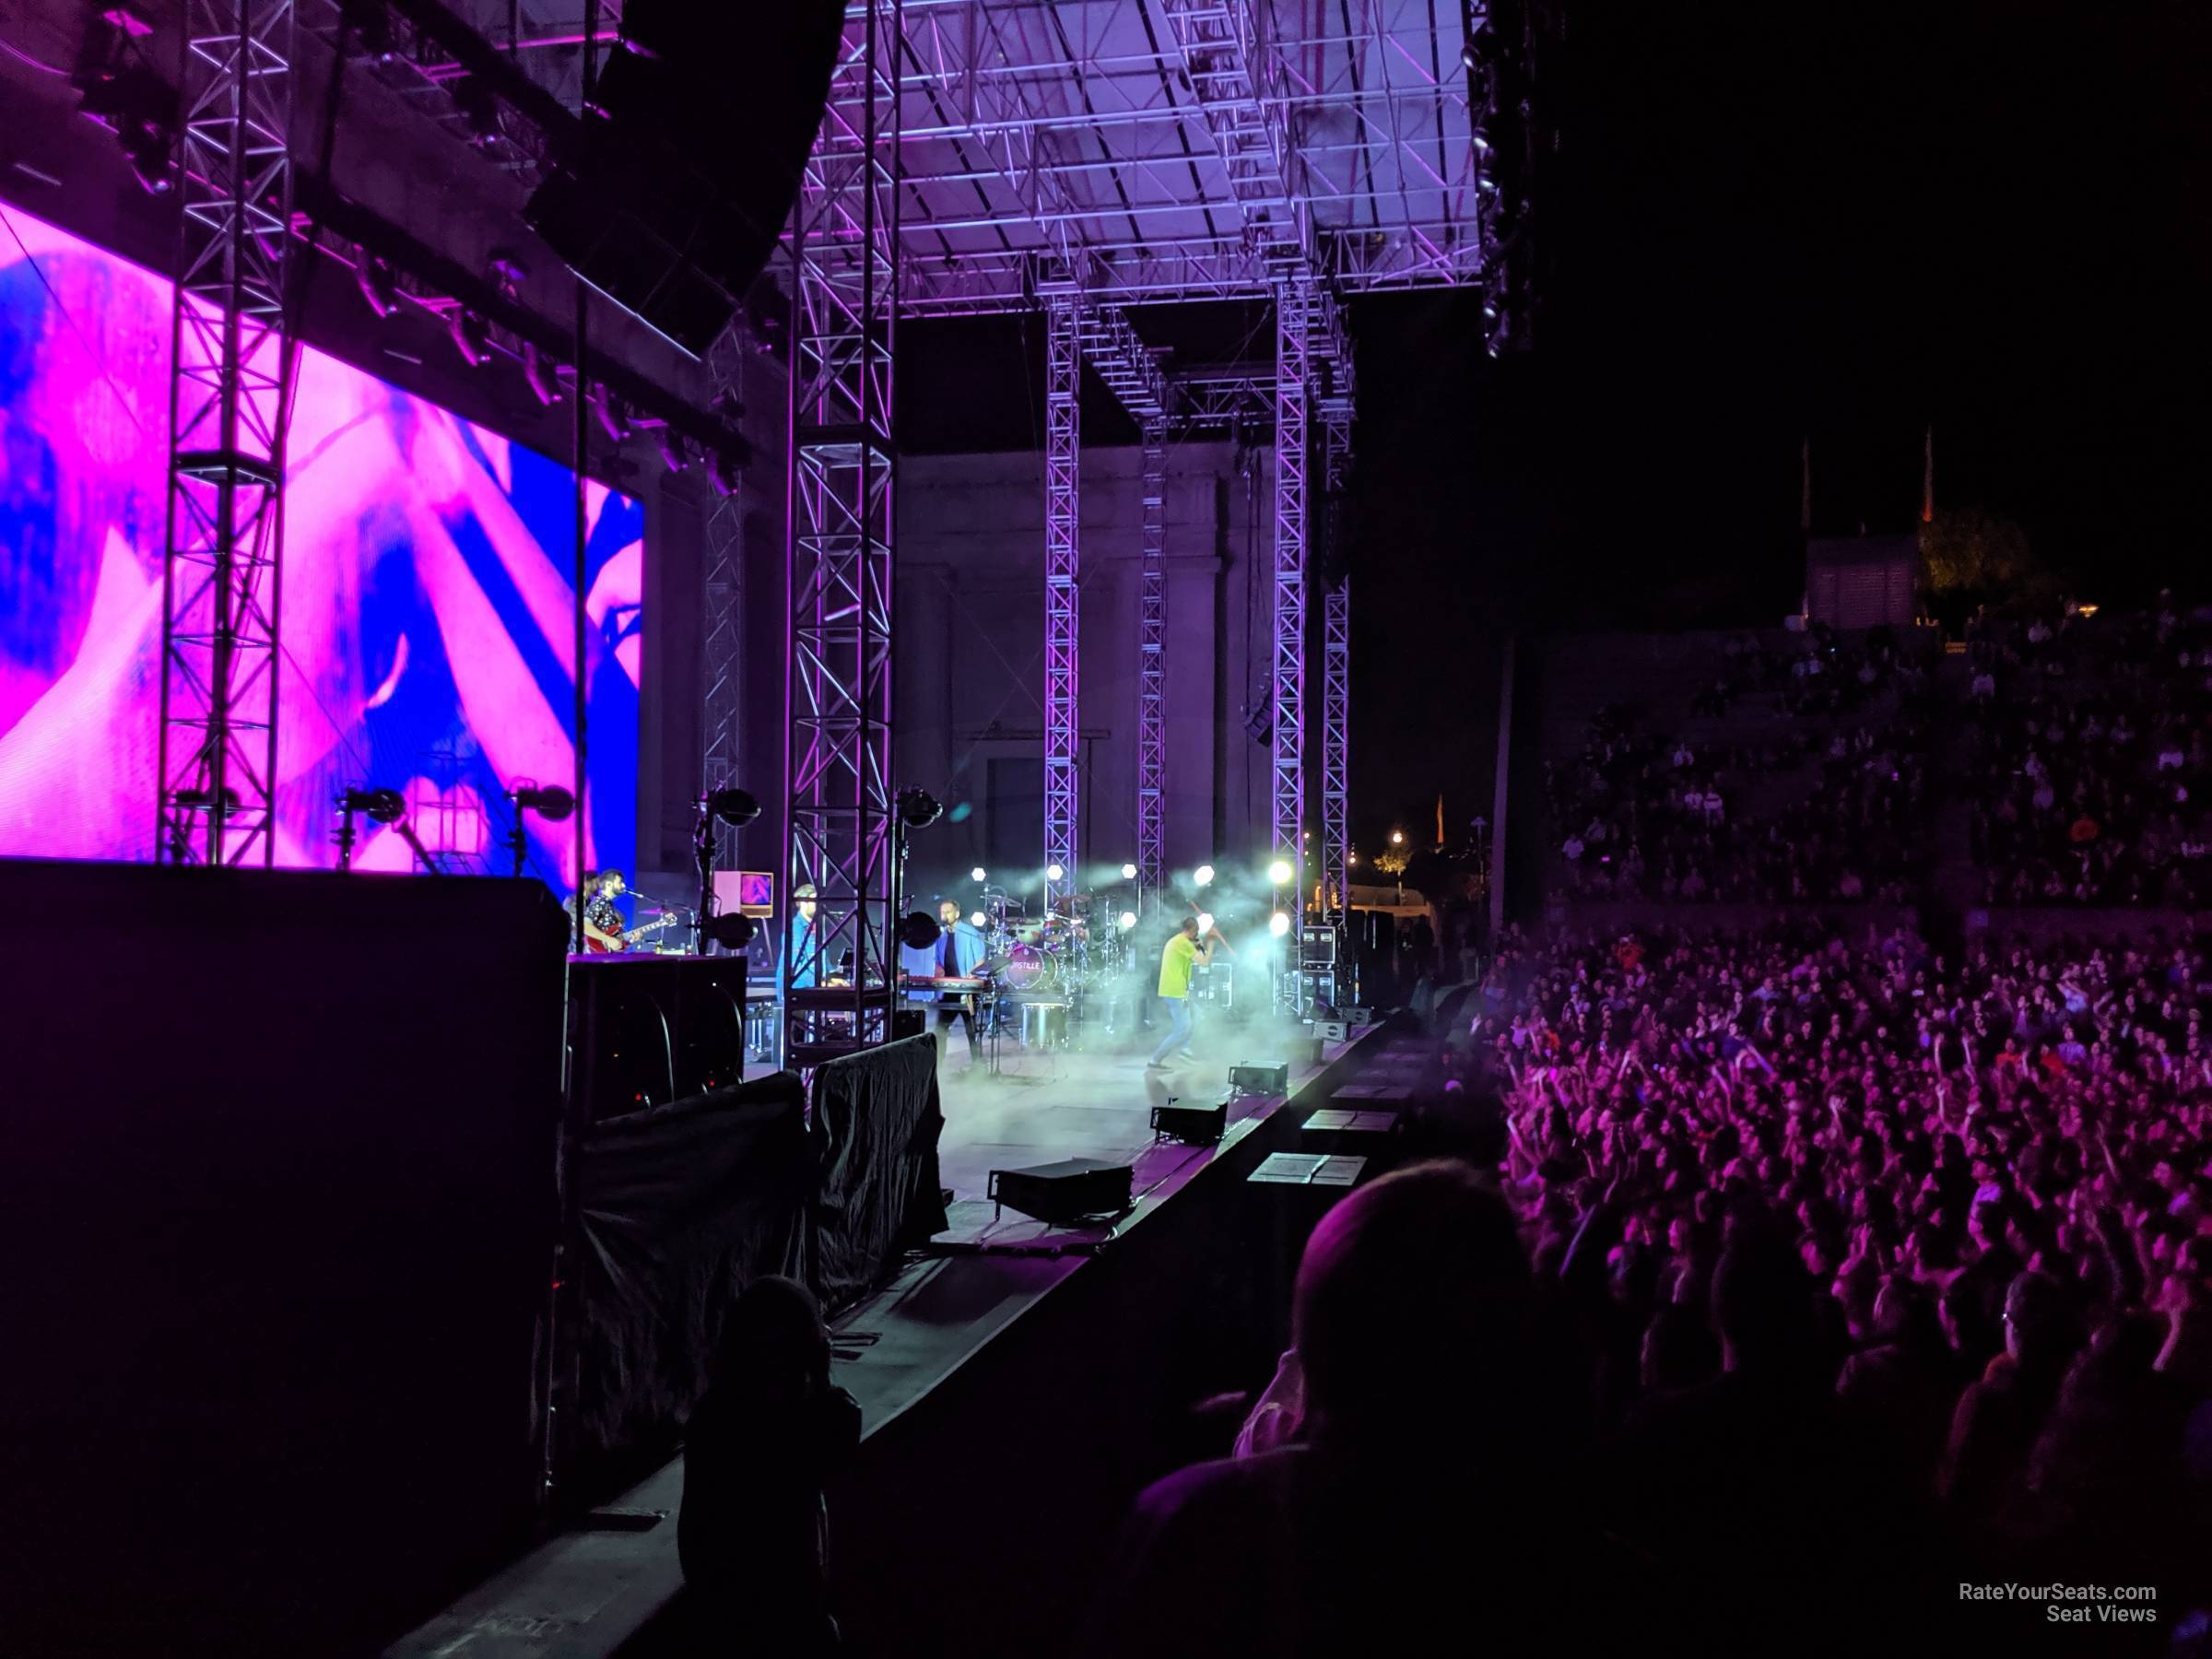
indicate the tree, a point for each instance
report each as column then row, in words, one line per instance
column 1971, row 549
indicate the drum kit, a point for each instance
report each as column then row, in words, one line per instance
column 1063, row 953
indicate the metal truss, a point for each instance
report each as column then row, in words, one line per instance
column 1236, row 76
column 1063, row 595
column 1176, row 149
column 1157, row 149
column 1152, row 672
column 722, row 666
column 1294, row 303
column 844, row 250
column 1335, row 672
column 1130, row 368
column 230, row 361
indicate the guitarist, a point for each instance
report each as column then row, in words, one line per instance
column 603, row 926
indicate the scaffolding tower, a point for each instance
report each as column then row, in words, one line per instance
column 230, row 373
column 839, row 972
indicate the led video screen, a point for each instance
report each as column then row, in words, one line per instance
column 426, row 628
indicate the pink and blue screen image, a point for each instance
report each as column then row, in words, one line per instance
column 428, row 627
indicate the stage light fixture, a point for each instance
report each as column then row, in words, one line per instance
column 977, row 874
column 1203, row 875
column 918, row 810
column 1053, row 872
column 472, row 335
column 1279, row 871
column 379, row 806
column 544, row 386
column 550, row 801
column 1278, row 924
column 735, row 807
column 726, row 473
column 1206, row 923
column 734, row 931
column 379, row 289
column 613, row 415
column 1128, row 920
column 1128, row 872
column 978, row 918
column 1397, row 838
column 918, row 930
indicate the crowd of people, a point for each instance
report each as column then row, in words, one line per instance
column 2091, row 761
column 1776, row 1283
column 1647, row 816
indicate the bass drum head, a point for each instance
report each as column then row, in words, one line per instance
column 1026, row 966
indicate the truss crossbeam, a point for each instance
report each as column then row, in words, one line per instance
column 1235, row 77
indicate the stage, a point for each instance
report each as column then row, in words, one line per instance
column 982, row 1343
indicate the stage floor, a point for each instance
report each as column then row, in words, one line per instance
column 592, row 1590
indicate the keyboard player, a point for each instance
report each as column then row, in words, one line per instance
column 957, row 954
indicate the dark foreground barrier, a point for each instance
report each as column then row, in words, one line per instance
column 876, row 1120
column 678, row 1210
column 276, row 1224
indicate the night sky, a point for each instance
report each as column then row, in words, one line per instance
column 1767, row 223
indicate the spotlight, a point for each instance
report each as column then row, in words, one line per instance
column 725, row 473
column 614, row 418
column 977, row 874
column 673, row 456
column 551, row 801
column 1128, row 872
column 1203, row 875
column 472, row 335
column 379, row 806
column 918, row 930
column 1053, row 872
column 978, row 918
column 735, row 807
column 918, row 810
column 1279, row 871
column 1278, row 924
column 1128, row 920
column 544, row 387
column 1206, row 923
column 379, row 288
column 1482, row 145
column 1397, row 838
column 734, row 931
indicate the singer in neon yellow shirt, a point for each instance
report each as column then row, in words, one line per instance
column 1178, row 961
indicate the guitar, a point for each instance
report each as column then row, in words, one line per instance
column 595, row 946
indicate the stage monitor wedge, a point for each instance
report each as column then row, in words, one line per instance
column 702, row 124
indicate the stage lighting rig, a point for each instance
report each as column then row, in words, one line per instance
column 737, row 807
column 472, row 335
column 379, row 807
column 918, row 810
column 550, row 801
column 544, row 384
column 372, row 276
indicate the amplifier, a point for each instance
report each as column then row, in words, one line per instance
column 1317, row 947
